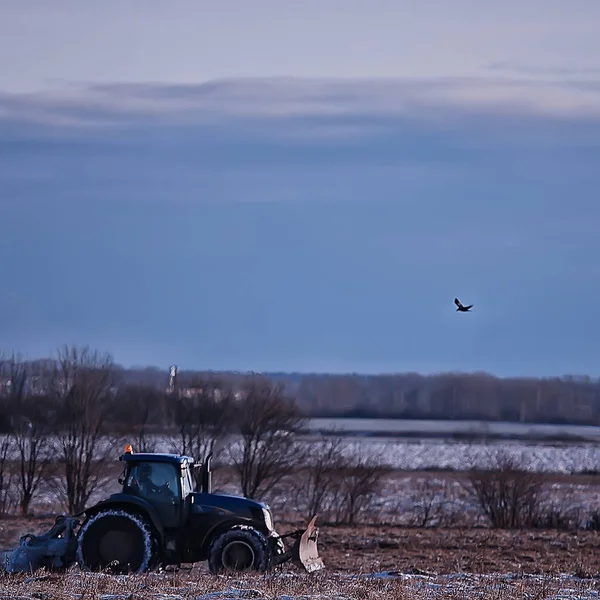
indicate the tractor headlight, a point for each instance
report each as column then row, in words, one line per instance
column 268, row 518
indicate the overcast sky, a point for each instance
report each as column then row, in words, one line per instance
column 303, row 186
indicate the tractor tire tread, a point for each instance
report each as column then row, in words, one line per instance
column 259, row 543
column 149, row 554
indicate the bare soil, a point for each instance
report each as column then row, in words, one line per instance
column 369, row 549
column 443, row 551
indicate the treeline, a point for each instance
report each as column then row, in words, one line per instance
column 478, row 396
column 574, row 400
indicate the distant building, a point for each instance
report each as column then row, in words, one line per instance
column 172, row 379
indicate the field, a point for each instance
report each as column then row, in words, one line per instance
column 422, row 537
column 291, row 586
column 364, row 562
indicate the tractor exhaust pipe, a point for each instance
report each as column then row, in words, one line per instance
column 206, row 482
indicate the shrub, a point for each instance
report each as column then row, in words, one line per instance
column 508, row 494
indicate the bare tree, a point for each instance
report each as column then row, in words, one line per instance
column 30, row 430
column 358, row 491
column 138, row 409
column 267, row 422
column 359, row 480
column 142, row 440
column 6, row 477
column 6, row 442
column 202, row 416
column 31, row 436
column 316, row 482
column 82, row 388
column 428, row 501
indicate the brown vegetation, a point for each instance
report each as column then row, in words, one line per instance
column 566, row 399
column 190, row 585
column 80, row 391
column 267, row 422
column 509, row 495
column 336, row 484
column 201, row 419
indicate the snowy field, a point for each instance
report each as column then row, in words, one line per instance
column 418, row 455
column 291, row 586
column 411, row 455
column 448, row 455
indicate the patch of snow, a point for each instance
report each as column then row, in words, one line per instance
column 233, row 593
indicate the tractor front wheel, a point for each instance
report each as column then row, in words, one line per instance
column 117, row 541
column 239, row 550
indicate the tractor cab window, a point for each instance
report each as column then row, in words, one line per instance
column 154, row 481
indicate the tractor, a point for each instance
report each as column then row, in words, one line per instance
column 161, row 517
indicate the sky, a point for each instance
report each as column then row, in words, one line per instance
column 280, row 186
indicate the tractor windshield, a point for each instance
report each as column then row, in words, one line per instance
column 152, row 479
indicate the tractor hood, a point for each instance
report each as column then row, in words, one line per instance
column 228, row 505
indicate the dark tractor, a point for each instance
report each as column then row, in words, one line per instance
column 158, row 519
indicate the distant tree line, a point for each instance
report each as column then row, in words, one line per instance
column 480, row 396
column 562, row 400
column 461, row 396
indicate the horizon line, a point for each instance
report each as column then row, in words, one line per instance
column 325, row 373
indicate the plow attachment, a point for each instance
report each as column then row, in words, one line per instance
column 304, row 551
column 52, row 550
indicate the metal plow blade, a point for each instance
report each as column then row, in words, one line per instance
column 308, row 553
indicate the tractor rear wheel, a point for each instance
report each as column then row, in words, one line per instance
column 115, row 540
column 239, row 549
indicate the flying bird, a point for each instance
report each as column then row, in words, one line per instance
column 460, row 306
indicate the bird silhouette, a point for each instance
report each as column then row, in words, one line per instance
column 460, row 306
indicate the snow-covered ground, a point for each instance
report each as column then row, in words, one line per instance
column 416, row 455
column 290, row 586
column 430, row 454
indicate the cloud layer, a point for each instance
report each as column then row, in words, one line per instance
column 288, row 97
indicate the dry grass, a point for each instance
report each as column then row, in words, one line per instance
column 458, row 561
column 188, row 584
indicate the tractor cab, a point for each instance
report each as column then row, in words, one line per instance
column 165, row 481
